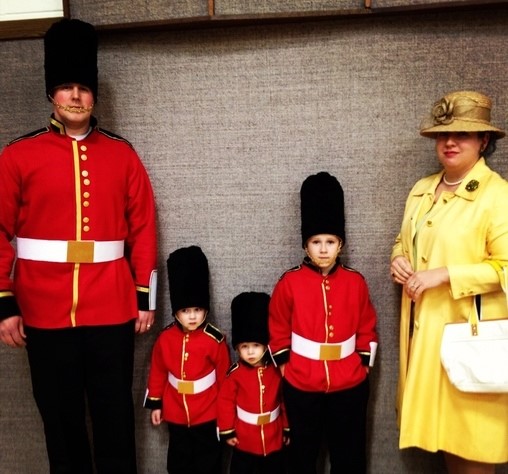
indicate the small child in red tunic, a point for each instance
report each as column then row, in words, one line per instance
column 190, row 359
column 251, row 415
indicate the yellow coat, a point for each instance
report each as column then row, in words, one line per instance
column 462, row 231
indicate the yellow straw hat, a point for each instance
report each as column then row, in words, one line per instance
column 462, row 111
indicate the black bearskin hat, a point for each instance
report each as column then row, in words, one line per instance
column 188, row 279
column 70, row 55
column 322, row 207
column 249, row 318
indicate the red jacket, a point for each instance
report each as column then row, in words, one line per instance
column 187, row 356
column 256, row 390
column 325, row 309
column 53, row 187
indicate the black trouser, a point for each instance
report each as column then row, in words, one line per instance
column 339, row 417
column 76, row 366
column 194, row 449
column 247, row 463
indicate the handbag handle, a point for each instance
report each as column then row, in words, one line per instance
column 476, row 316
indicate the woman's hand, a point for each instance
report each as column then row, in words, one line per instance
column 418, row 282
column 401, row 270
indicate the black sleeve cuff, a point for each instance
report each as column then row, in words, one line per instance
column 9, row 307
column 281, row 357
column 365, row 356
column 143, row 300
column 227, row 434
column 153, row 403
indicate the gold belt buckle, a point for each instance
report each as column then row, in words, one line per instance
column 80, row 251
column 186, row 387
column 329, row 352
column 263, row 419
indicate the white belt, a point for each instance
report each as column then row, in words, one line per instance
column 317, row 351
column 257, row 418
column 71, row 251
column 191, row 387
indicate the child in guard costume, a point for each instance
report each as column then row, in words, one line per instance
column 190, row 359
column 251, row 416
column 323, row 338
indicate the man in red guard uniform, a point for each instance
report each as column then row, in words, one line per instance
column 323, row 338
column 190, row 359
column 80, row 204
column 252, row 417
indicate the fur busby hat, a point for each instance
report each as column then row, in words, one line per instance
column 322, row 207
column 249, row 318
column 188, row 279
column 70, row 55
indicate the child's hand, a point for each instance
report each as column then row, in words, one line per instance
column 233, row 441
column 282, row 369
column 156, row 417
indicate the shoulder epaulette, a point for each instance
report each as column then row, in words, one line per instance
column 294, row 269
column 33, row 134
column 114, row 136
column 349, row 269
column 213, row 332
column 170, row 325
column 233, row 367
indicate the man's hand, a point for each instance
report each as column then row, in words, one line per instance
column 145, row 321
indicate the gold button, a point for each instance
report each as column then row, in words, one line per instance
column 327, row 287
column 331, row 334
column 429, row 223
column 331, row 327
column 329, row 306
column 86, row 203
column 84, row 173
column 86, row 182
column 86, row 228
column 83, row 148
column 86, row 220
column 84, row 157
column 86, row 194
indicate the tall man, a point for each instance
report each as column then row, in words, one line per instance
column 80, row 204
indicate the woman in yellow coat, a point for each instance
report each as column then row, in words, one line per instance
column 454, row 232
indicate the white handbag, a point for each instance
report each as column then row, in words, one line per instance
column 475, row 354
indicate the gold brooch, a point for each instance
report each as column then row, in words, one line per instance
column 472, row 185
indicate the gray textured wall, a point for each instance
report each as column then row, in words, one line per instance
column 229, row 122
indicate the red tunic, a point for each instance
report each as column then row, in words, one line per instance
column 255, row 390
column 53, row 187
column 325, row 309
column 187, row 356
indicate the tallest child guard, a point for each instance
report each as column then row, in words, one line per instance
column 80, row 204
column 323, row 337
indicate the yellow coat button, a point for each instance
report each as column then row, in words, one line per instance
column 86, row 182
